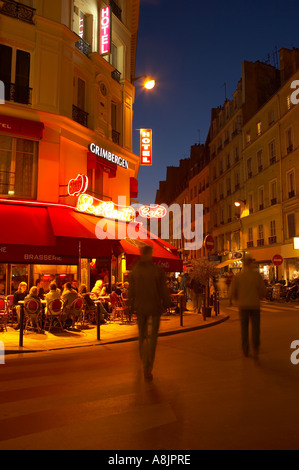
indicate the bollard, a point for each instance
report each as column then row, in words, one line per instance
column 21, row 325
column 98, row 324
column 181, row 309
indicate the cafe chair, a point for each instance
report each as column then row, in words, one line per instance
column 3, row 314
column 54, row 314
column 10, row 309
column 33, row 315
column 75, row 310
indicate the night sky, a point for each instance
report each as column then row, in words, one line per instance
column 192, row 48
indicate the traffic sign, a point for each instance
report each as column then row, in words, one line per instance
column 209, row 243
column 277, row 260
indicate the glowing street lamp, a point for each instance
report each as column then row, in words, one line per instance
column 149, row 83
column 238, row 203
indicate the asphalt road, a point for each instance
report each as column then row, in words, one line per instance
column 205, row 395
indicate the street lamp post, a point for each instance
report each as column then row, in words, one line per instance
column 149, row 83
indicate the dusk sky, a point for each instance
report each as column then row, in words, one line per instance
column 192, row 48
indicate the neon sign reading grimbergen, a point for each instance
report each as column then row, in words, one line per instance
column 106, row 155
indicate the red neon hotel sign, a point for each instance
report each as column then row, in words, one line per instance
column 105, row 30
column 146, row 147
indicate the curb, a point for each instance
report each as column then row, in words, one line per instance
column 118, row 341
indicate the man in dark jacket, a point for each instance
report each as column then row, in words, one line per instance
column 148, row 296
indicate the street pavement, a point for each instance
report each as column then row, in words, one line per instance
column 110, row 332
column 205, row 395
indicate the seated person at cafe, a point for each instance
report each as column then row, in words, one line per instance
column 53, row 294
column 19, row 295
column 33, row 295
column 75, row 285
column 40, row 289
column 91, row 306
column 97, row 288
column 68, row 296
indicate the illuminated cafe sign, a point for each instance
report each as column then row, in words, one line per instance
column 78, row 185
column 109, row 210
column 110, row 157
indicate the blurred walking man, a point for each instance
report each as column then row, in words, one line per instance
column 148, row 296
column 248, row 288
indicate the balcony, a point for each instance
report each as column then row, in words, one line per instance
column 115, row 137
column 249, row 174
column 272, row 240
column 18, row 94
column 226, row 142
column 261, row 207
column 115, row 9
column 272, row 160
column 251, row 210
column 273, row 201
column 250, row 244
column 17, row 10
column 260, row 242
column 236, row 132
column 83, row 46
column 260, row 168
column 291, row 194
column 219, row 148
column 80, row 116
column 290, row 148
column 116, row 75
column 228, row 192
column 237, row 186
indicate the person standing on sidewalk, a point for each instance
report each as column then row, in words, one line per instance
column 148, row 296
column 248, row 288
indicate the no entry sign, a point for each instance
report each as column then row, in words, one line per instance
column 277, row 260
column 209, row 242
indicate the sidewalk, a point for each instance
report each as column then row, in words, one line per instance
column 113, row 332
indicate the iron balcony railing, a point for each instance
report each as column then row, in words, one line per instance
column 115, row 137
column 83, row 46
column 80, row 116
column 116, row 75
column 17, row 10
column 115, row 9
column 18, row 93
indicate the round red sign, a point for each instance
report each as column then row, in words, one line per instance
column 277, row 260
column 209, row 242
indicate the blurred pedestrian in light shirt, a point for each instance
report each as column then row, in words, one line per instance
column 248, row 288
column 148, row 296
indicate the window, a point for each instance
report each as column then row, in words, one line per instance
column 250, row 202
column 95, row 180
column 291, row 225
column 248, row 137
column 273, row 192
column 250, row 234
column 289, row 140
column 272, row 228
column 271, row 117
column 228, row 161
column 229, row 213
column 261, row 198
column 237, row 181
column 291, row 183
column 18, row 167
column 261, row 231
column 249, row 168
column 81, row 94
column 236, row 154
column 228, row 185
column 259, row 128
column 15, row 74
column 221, row 167
column 259, row 157
column 272, row 152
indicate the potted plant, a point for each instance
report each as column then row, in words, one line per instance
column 204, row 270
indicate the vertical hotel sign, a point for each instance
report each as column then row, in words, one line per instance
column 105, row 30
column 146, row 147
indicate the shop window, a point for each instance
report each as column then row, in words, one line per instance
column 52, row 273
column 3, row 278
column 19, row 273
column 15, row 74
column 18, row 167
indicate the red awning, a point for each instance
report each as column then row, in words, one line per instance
column 71, row 227
column 25, row 225
column 22, row 127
